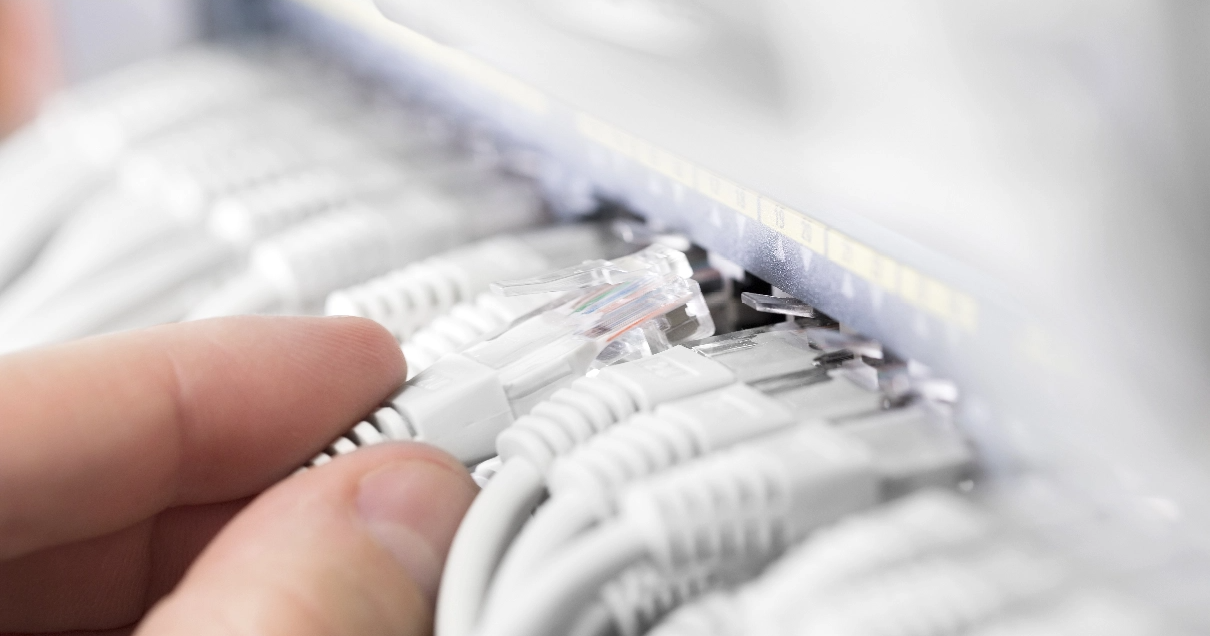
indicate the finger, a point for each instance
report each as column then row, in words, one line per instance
column 105, row 432
column 355, row 547
column 108, row 581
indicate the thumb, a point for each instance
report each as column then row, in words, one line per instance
column 354, row 547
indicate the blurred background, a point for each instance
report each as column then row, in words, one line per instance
column 1042, row 164
column 46, row 44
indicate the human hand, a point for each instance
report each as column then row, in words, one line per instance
column 130, row 467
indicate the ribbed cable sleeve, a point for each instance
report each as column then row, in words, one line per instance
column 277, row 204
column 643, row 595
column 571, row 416
column 406, row 300
column 723, row 510
column 329, row 252
column 403, row 300
column 645, row 444
column 385, row 424
column 886, row 537
column 465, row 324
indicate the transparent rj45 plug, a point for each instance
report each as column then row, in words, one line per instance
column 465, row 399
column 657, row 260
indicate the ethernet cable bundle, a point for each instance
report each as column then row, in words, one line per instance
column 640, row 474
column 605, row 312
column 780, row 480
column 220, row 181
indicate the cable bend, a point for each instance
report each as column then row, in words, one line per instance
column 569, row 584
column 491, row 523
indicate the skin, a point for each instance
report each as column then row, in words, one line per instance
column 145, row 485
column 29, row 64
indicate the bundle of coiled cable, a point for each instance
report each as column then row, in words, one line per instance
column 181, row 188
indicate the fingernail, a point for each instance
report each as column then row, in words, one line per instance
column 412, row 510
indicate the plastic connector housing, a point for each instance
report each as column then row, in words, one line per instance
column 760, row 354
column 539, row 356
column 407, row 299
column 914, row 448
column 457, row 391
column 669, row 375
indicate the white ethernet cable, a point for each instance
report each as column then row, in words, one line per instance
column 105, row 117
column 189, row 183
column 70, row 148
column 642, row 595
column 588, row 406
column 112, row 229
column 291, row 270
column 82, row 282
column 175, row 269
column 780, row 355
column 213, row 141
column 266, row 208
column 1081, row 613
column 468, row 323
column 888, row 536
column 409, row 298
column 109, row 229
column 553, row 428
column 938, row 594
column 461, row 403
column 133, row 225
column 949, row 588
column 584, row 482
column 748, row 502
column 299, row 267
column 38, row 191
column 93, row 126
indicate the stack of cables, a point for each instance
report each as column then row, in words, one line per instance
column 779, row 480
column 219, row 181
column 654, row 481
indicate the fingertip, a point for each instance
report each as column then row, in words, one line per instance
column 356, row 546
column 184, row 414
column 372, row 340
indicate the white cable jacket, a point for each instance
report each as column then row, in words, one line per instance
column 91, row 306
column 492, row 521
column 741, row 505
column 569, row 584
column 105, row 232
column 168, row 307
column 324, row 253
column 885, row 537
column 36, row 200
column 595, row 621
column 246, row 293
column 555, row 524
column 584, row 481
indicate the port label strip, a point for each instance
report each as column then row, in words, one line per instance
column 923, row 292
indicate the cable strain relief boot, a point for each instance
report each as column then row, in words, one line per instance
column 571, row 416
column 402, row 300
column 466, row 324
column 643, row 445
column 674, row 433
column 244, row 217
column 643, row 595
column 752, row 501
column 608, row 398
column 463, row 326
